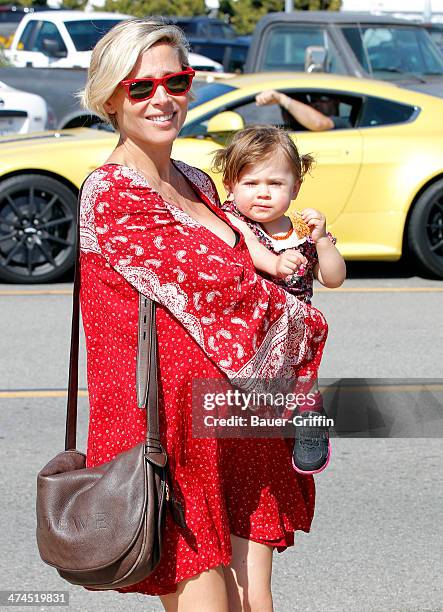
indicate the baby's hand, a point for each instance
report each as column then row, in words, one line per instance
column 288, row 262
column 316, row 221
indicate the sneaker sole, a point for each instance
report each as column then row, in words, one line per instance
column 310, row 472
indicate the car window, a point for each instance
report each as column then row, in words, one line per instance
column 436, row 33
column 247, row 109
column 377, row 111
column 49, row 31
column 348, row 108
column 208, row 92
column 10, row 16
column 220, row 30
column 285, row 48
column 188, row 27
column 86, row 34
column 253, row 114
column 386, row 51
column 354, row 38
column 25, row 42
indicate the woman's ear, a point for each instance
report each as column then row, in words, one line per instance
column 295, row 190
column 109, row 106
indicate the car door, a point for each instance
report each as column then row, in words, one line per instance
column 337, row 153
column 338, row 157
column 282, row 47
column 19, row 55
column 31, row 50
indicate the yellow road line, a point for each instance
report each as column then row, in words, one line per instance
column 35, row 394
column 12, row 292
column 436, row 387
column 384, row 388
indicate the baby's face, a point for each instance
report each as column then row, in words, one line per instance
column 264, row 191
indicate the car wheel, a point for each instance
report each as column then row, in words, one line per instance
column 425, row 230
column 37, row 229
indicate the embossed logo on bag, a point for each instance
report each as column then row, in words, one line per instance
column 98, row 520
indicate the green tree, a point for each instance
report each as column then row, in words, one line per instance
column 244, row 14
column 74, row 5
column 30, row 3
column 317, row 5
column 146, row 8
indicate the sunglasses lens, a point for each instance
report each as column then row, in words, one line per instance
column 141, row 89
column 179, row 84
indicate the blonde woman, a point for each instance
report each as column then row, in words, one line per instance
column 153, row 224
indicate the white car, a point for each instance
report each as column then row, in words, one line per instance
column 59, row 39
column 201, row 62
column 64, row 39
column 22, row 112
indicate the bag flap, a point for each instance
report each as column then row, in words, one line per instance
column 87, row 518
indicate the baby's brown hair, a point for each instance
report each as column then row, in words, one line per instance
column 254, row 144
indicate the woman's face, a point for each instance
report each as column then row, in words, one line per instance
column 159, row 119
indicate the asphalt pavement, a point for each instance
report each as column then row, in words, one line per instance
column 375, row 543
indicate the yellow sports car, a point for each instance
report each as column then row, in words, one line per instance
column 378, row 176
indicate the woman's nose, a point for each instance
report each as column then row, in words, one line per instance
column 160, row 94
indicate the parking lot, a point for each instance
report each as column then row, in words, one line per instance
column 375, row 137
column 375, row 541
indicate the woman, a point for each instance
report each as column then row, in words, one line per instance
column 152, row 224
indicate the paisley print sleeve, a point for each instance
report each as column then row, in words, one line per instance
column 248, row 327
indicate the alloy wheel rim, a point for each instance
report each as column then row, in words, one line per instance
column 37, row 231
column 434, row 226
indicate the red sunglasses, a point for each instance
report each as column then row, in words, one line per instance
column 175, row 84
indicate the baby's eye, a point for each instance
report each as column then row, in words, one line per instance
column 275, row 183
column 250, row 183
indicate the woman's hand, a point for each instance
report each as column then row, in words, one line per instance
column 316, row 221
column 267, row 97
column 288, row 263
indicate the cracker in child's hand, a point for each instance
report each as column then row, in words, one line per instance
column 302, row 229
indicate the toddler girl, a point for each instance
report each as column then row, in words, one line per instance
column 262, row 174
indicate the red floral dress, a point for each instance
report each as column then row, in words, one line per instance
column 216, row 319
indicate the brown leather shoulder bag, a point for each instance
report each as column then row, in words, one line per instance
column 101, row 527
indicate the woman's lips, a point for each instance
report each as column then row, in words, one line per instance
column 165, row 119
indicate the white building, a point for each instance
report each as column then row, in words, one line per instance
column 426, row 10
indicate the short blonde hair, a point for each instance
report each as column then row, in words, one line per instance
column 254, row 144
column 115, row 55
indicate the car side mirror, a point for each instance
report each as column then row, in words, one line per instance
column 53, row 48
column 221, row 126
column 227, row 121
column 315, row 59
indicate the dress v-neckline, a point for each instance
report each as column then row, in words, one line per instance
column 202, row 196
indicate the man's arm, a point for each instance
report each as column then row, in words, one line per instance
column 307, row 116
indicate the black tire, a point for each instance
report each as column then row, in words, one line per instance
column 91, row 121
column 37, row 229
column 425, row 229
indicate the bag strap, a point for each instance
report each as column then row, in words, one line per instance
column 147, row 388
